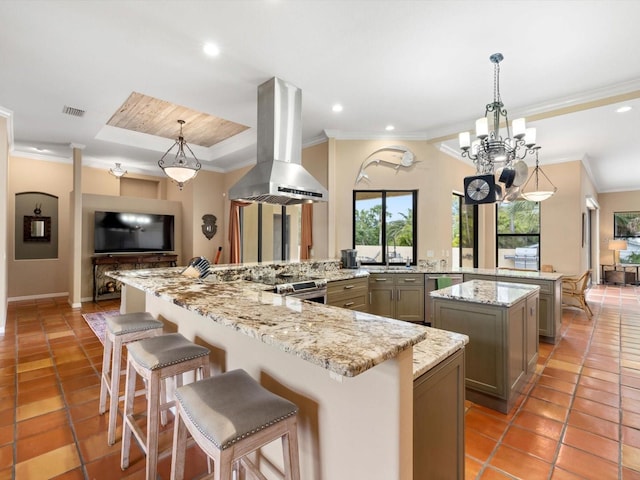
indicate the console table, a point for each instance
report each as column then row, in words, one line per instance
column 105, row 288
column 619, row 274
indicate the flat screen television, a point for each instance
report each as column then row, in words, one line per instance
column 123, row 232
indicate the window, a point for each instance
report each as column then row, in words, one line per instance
column 388, row 218
column 464, row 233
column 518, row 235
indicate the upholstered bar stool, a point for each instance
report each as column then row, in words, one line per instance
column 121, row 329
column 156, row 360
column 230, row 416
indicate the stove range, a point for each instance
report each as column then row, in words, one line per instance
column 304, row 287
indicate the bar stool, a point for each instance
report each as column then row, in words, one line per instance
column 156, row 359
column 230, row 416
column 121, row 329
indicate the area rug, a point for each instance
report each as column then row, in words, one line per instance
column 97, row 321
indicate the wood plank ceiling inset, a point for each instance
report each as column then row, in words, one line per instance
column 145, row 114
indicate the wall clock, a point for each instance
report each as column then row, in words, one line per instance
column 479, row 189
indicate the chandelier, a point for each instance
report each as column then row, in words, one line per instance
column 118, row 171
column 491, row 149
column 181, row 170
column 537, row 193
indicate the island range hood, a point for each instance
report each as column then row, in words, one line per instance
column 279, row 177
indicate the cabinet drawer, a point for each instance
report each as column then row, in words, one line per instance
column 341, row 295
column 380, row 280
column 409, row 279
column 358, row 302
column 346, row 286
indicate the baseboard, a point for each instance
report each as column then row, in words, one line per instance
column 37, row 297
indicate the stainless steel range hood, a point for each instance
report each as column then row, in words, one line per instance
column 279, row 176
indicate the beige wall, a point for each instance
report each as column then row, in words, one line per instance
column 315, row 159
column 609, row 204
column 208, row 197
column 27, row 175
column 435, row 175
column 56, row 178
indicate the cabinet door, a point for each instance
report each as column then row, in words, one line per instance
column 532, row 333
column 545, row 315
column 410, row 304
column 438, row 421
column 381, row 301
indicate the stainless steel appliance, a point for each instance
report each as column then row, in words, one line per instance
column 305, row 288
column 349, row 258
column 279, row 177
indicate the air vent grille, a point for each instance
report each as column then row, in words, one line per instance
column 74, row 112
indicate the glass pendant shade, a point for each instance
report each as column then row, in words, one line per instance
column 117, row 171
column 182, row 169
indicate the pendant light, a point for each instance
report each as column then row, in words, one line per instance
column 537, row 192
column 118, row 171
column 182, row 169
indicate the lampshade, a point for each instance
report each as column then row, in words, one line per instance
column 182, row 169
column 617, row 245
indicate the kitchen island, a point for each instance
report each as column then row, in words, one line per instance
column 351, row 373
column 501, row 320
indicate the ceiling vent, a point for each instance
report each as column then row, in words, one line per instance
column 74, row 112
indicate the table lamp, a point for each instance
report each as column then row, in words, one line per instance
column 616, row 246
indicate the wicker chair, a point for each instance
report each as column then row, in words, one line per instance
column 575, row 288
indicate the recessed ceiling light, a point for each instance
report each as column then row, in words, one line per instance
column 626, row 108
column 337, row 108
column 389, row 128
column 211, row 49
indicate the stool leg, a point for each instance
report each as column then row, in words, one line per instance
column 179, row 447
column 104, row 378
column 129, row 397
column 223, row 469
column 290, row 450
column 115, row 389
column 152, row 425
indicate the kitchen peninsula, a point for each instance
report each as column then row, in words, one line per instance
column 351, row 373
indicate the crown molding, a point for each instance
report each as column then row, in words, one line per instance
column 342, row 135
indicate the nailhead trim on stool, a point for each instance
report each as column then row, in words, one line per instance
column 229, row 416
column 121, row 329
column 156, row 359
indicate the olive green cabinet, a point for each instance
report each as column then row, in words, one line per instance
column 503, row 346
column 351, row 294
column 550, row 306
column 397, row 295
column 438, row 421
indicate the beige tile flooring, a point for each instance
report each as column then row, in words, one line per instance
column 579, row 418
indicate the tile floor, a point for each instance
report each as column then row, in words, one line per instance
column 578, row 419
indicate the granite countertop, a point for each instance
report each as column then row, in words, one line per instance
column 438, row 345
column 498, row 272
column 345, row 342
column 486, row 292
